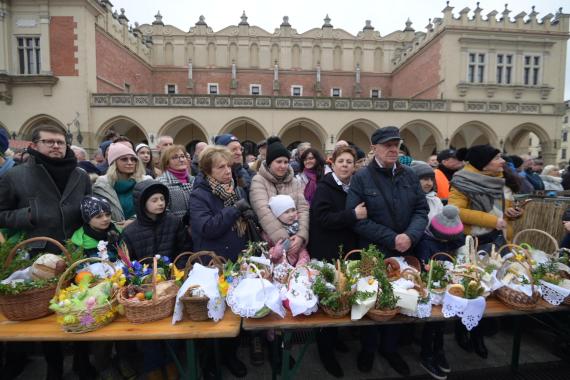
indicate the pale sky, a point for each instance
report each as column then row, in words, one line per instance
column 350, row 15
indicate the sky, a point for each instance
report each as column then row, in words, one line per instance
column 386, row 16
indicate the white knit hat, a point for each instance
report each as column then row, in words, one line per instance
column 280, row 203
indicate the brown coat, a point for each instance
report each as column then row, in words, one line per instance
column 264, row 186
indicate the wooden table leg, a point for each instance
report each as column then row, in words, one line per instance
column 515, row 353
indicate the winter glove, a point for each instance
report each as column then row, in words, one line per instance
column 242, row 205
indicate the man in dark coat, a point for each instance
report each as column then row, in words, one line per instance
column 42, row 198
column 240, row 173
column 397, row 217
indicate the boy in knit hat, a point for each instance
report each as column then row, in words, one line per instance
column 98, row 236
column 283, row 207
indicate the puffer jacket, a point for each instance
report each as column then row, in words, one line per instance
column 401, row 188
column 212, row 224
column 264, row 186
column 165, row 236
column 31, row 202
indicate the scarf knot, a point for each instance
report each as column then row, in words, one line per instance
column 228, row 194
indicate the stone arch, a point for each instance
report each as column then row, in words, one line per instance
column 245, row 128
column 29, row 125
column 358, row 132
column 518, row 139
column 124, row 126
column 422, row 138
column 185, row 131
column 303, row 129
column 473, row 133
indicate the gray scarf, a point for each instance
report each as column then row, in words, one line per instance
column 482, row 190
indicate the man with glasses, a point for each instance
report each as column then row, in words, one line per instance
column 397, row 217
column 42, row 198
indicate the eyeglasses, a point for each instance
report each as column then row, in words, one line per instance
column 179, row 158
column 51, row 143
column 128, row 159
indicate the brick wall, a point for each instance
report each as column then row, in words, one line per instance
column 116, row 65
column 419, row 77
column 62, row 39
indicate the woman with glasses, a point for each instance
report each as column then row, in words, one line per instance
column 125, row 170
column 175, row 167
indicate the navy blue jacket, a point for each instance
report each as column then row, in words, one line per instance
column 402, row 193
column 429, row 246
column 212, row 224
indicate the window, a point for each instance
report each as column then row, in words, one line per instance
column 335, row 91
column 504, row 68
column 563, row 154
column 296, row 90
column 564, row 136
column 127, row 88
column 29, row 55
column 375, row 93
column 255, row 89
column 213, row 89
column 531, row 70
column 476, row 69
column 171, row 89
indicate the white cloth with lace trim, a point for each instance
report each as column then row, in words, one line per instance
column 469, row 310
column 249, row 295
column 553, row 294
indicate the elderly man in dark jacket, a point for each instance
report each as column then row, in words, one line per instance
column 41, row 198
column 397, row 217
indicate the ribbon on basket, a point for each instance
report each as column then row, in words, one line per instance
column 208, row 280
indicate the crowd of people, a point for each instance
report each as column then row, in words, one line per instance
column 306, row 205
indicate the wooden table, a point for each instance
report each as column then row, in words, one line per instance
column 494, row 308
column 47, row 329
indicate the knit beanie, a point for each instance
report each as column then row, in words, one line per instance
column 280, row 203
column 478, row 156
column 517, row 161
column 275, row 149
column 4, row 141
column 225, row 139
column 422, row 169
column 104, row 146
column 92, row 206
column 117, row 150
column 446, row 225
column 140, row 146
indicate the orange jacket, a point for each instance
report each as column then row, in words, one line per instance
column 442, row 184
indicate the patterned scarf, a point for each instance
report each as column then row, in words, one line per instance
column 229, row 196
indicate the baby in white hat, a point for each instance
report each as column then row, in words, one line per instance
column 283, row 207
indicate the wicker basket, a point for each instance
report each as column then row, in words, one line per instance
column 196, row 308
column 108, row 309
column 31, row 304
column 515, row 299
column 545, row 236
column 344, row 308
column 367, row 264
column 151, row 310
column 380, row 315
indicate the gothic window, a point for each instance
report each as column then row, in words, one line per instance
column 29, row 55
column 476, row 68
column 504, row 68
column 531, row 71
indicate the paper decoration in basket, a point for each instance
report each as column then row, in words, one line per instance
column 465, row 297
column 76, row 303
column 298, row 296
column 207, row 284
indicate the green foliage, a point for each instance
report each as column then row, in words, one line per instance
column 473, row 288
column 386, row 299
column 438, row 274
column 20, row 287
column 547, row 272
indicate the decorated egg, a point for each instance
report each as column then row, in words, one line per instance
column 47, row 266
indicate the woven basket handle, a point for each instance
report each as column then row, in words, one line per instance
column 215, row 261
column 549, row 236
column 292, row 273
column 154, row 275
column 65, row 276
column 417, row 280
column 512, row 245
column 437, row 254
column 348, row 254
column 27, row 241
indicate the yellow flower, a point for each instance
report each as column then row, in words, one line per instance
column 178, row 274
column 223, row 286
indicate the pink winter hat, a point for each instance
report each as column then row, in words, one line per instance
column 446, row 225
column 117, row 150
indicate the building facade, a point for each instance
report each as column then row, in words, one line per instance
column 468, row 78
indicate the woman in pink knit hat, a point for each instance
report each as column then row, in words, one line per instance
column 125, row 170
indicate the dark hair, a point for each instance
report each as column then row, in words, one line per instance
column 319, row 166
column 110, row 135
column 343, row 149
column 46, row 128
column 512, row 180
column 124, row 138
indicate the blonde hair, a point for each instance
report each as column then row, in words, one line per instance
column 167, row 155
column 211, row 154
column 549, row 169
column 113, row 173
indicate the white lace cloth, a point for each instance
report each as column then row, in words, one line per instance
column 207, row 278
column 436, row 297
column 423, row 310
column 298, row 294
column 553, row 294
column 470, row 311
column 251, row 294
